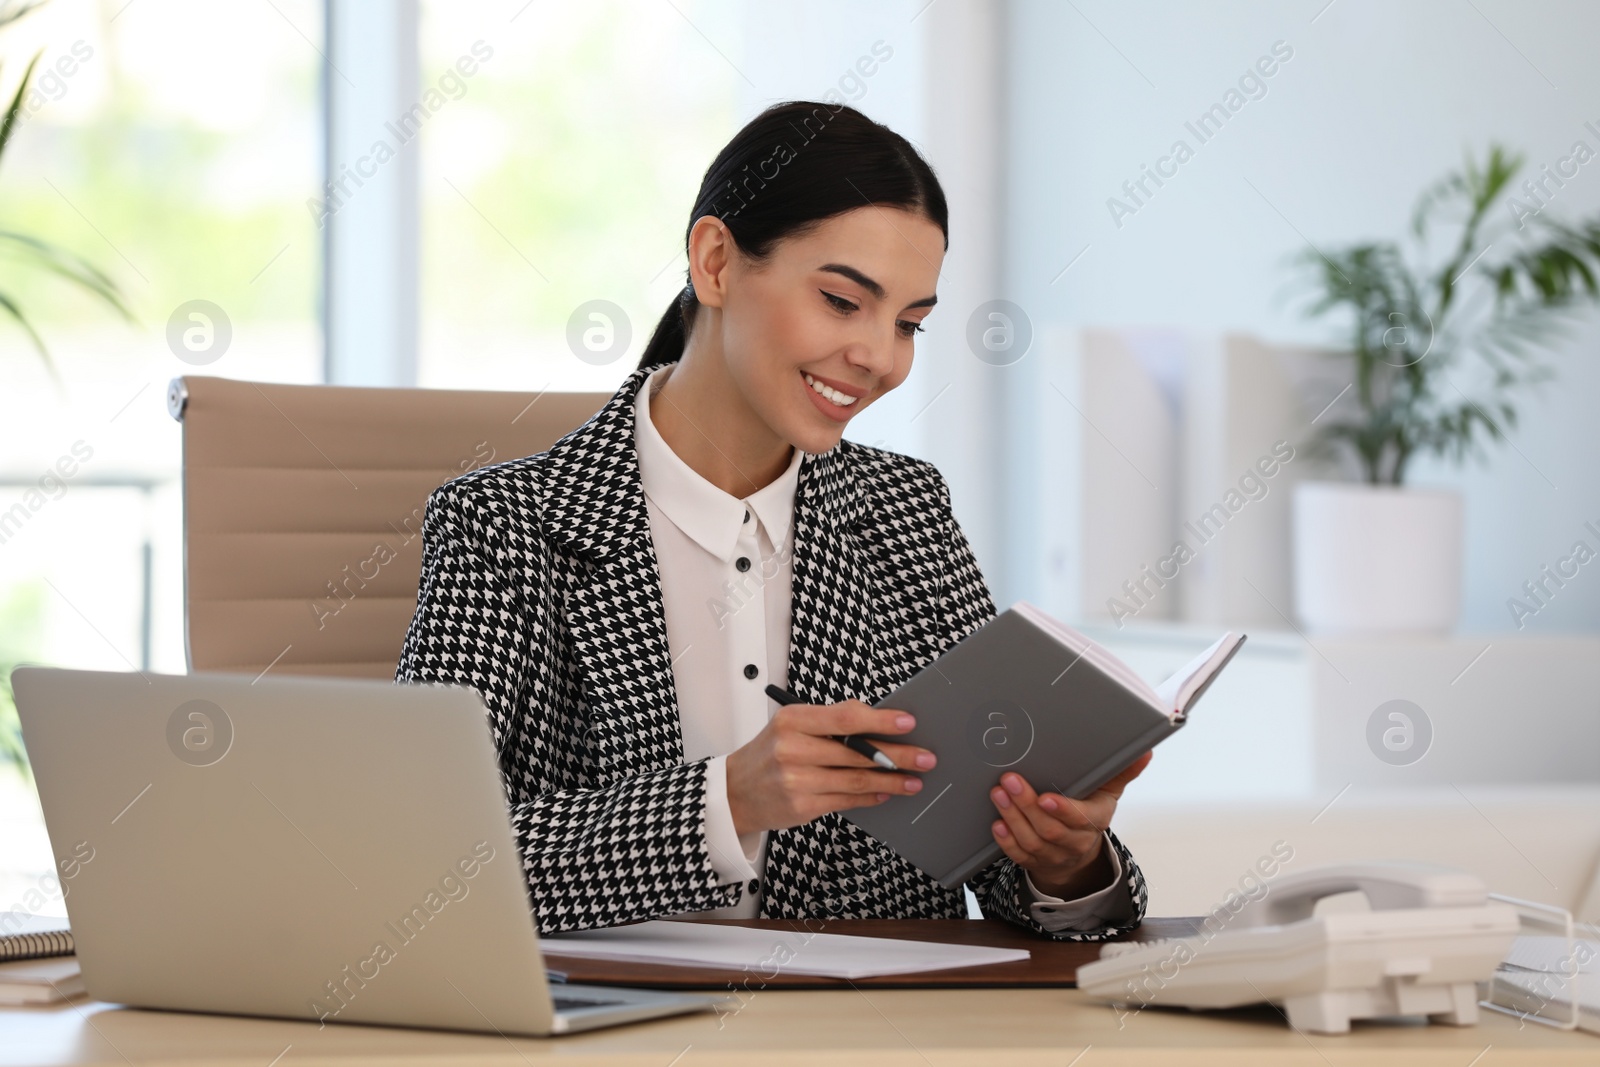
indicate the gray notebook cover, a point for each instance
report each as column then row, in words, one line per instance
column 1008, row 697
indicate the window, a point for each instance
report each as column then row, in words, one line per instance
column 173, row 146
column 563, row 176
column 557, row 183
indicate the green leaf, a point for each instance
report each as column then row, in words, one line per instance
column 10, row 306
column 9, row 124
column 67, row 265
column 30, row 249
column 9, row 15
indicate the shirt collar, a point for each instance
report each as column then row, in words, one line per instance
column 711, row 517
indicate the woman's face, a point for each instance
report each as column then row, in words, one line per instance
column 837, row 307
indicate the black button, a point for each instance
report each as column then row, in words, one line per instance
column 754, row 885
column 743, row 563
column 746, row 515
column 750, row 670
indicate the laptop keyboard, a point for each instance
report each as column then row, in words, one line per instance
column 569, row 1003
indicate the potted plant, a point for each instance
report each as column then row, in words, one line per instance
column 1437, row 350
column 31, row 250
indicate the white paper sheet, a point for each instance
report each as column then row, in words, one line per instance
column 1542, row 952
column 767, row 953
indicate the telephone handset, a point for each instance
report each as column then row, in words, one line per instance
column 1387, row 887
column 1428, row 936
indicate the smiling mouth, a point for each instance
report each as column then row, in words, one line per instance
column 828, row 393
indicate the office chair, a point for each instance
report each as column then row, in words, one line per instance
column 303, row 508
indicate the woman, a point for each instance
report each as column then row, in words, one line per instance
column 622, row 600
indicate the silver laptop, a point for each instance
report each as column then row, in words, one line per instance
column 315, row 848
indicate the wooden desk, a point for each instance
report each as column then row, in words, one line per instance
column 855, row 1025
column 877, row 1028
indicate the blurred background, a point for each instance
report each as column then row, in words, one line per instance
column 1186, row 303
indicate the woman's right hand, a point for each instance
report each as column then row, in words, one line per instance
column 793, row 771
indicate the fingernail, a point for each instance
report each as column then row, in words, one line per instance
column 913, row 785
column 883, row 796
column 925, row 760
column 905, row 722
column 1013, row 785
column 1047, row 803
column 1001, row 799
column 1001, row 830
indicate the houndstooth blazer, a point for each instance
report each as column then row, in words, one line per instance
column 540, row 590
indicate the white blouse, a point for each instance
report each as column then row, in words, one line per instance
column 726, row 570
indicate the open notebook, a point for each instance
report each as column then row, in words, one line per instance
column 1027, row 693
column 1172, row 698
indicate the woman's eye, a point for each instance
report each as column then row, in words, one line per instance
column 839, row 303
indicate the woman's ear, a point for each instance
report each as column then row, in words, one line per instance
column 711, row 254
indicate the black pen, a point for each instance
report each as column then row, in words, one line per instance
column 852, row 742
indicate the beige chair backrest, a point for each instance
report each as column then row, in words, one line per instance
column 303, row 507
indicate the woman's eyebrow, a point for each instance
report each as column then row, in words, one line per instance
column 871, row 286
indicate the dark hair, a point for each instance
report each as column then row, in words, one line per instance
column 791, row 167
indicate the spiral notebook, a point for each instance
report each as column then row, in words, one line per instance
column 27, row 937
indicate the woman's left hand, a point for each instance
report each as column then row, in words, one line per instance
column 1059, row 841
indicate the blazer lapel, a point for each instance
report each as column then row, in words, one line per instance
column 594, row 507
column 833, row 636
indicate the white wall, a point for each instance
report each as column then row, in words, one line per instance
column 947, row 60
column 1376, row 101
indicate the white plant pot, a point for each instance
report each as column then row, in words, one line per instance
column 1376, row 559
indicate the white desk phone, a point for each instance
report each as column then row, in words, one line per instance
column 1430, row 936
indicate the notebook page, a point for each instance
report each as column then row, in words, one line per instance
column 1176, row 692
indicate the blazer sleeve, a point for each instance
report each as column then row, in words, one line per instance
column 634, row 849
column 964, row 605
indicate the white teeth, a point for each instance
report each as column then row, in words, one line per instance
column 828, row 392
